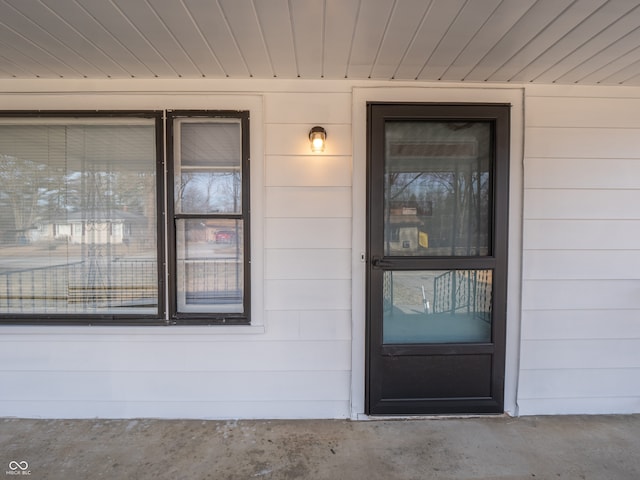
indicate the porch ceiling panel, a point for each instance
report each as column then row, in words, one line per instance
column 539, row 41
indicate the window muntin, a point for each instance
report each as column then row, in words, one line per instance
column 210, row 216
column 78, row 216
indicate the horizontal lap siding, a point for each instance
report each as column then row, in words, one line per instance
column 582, row 264
column 285, row 373
column 196, row 409
column 308, row 325
column 581, row 259
column 298, row 366
column 308, row 233
column 593, row 324
column 181, row 386
column 257, row 355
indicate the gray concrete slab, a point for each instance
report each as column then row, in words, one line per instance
column 567, row 447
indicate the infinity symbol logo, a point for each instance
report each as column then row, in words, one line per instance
column 13, row 465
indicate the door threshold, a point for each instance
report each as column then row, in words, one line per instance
column 363, row 417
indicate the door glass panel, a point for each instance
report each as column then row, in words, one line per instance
column 437, row 188
column 437, row 306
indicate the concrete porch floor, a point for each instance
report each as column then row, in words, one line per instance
column 564, row 447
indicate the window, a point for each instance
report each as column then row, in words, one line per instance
column 209, row 206
column 82, row 223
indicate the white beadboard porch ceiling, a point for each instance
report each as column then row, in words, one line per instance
column 540, row 41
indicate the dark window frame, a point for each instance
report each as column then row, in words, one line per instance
column 104, row 319
column 208, row 318
column 166, row 313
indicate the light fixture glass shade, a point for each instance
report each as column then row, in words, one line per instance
column 317, row 137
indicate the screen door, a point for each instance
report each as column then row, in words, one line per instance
column 437, row 246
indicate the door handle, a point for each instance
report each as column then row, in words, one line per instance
column 377, row 262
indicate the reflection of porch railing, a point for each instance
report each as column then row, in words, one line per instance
column 213, row 281
column 463, row 291
column 80, row 286
column 387, row 292
column 106, row 285
column 23, row 290
column 116, row 283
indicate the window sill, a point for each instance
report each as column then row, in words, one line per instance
column 160, row 331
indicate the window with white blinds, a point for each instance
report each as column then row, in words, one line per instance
column 82, row 229
column 210, row 216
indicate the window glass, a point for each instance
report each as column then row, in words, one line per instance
column 78, row 216
column 208, row 175
column 210, row 267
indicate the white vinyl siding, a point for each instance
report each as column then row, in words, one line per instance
column 294, row 361
column 574, row 351
column 581, row 258
column 308, row 236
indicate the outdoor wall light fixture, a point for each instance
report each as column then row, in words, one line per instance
column 318, row 138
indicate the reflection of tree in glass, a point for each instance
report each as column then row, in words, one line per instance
column 210, row 192
column 26, row 189
column 457, row 202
